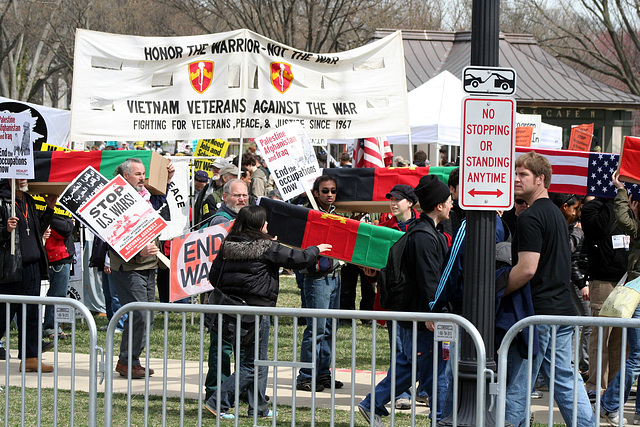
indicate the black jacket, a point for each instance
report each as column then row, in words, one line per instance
column 599, row 224
column 424, row 254
column 44, row 220
column 250, row 268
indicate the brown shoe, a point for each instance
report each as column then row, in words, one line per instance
column 136, row 371
column 31, row 365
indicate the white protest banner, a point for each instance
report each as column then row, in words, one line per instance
column 16, row 146
column 122, row 218
column 191, row 258
column 178, row 200
column 291, row 159
column 236, row 84
column 50, row 125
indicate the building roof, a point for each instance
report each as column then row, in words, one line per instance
column 541, row 78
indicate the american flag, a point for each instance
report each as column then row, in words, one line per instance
column 583, row 173
column 372, row 153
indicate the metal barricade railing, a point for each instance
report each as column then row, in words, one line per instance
column 179, row 377
column 55, row 380
column 555, row 321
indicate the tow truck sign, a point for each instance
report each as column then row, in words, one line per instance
column 488, row 147
column 489, row 80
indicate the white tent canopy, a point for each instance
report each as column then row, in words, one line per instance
column 435, row 110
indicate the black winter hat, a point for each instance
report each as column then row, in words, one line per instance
column 431, row 191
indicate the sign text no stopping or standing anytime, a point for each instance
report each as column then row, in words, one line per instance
column 487, row 153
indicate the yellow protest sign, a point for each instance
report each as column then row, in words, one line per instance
column 51, row 147
column 209, row 148
column 41, row 205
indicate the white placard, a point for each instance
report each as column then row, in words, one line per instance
column 488, row 153
column 236, row 84
column 290, row 158
column 16, row 145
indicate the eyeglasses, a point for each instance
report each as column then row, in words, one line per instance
column 326, row 190
column 521, row 201
column 238, row 196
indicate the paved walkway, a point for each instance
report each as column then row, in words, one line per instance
column 192, row 378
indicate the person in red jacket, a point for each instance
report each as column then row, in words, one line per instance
column 60, row 252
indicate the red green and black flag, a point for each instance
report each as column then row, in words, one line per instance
column 65, row 166
column 353, row 241
column 373, row 184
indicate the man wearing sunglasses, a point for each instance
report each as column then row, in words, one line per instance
column 320, row 289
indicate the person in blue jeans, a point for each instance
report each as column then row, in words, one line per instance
column 542, row 257
column 422, row 262
column 609, row 401
column 320, row 289
column 60, row 252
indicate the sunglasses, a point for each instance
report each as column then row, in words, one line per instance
column 326, row 190
column 520, row 201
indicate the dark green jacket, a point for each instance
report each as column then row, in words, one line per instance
column 628, row 223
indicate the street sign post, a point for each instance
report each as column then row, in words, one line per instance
column 488, row 141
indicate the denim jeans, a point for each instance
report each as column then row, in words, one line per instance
column 400, row 355
column 517, row 393
column 111, row 300
column 246, row 371
column 135, row 286
column 211, row 381
column 609, row 400
column 58, row 285
column 319, row 292
column 424, row 372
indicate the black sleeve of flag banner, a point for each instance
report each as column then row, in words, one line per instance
column 287, row 222
column 354, row 184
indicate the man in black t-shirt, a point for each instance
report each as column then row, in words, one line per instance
column 541, row 256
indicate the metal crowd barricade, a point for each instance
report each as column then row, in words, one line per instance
column 184, row 379
column 554, row 321
column 82, row 366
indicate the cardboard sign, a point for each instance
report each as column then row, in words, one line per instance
column 122, row 218
column 191, row 257
column 581, row 137
column 290, row 158
column 523, row 136
column 16, row 145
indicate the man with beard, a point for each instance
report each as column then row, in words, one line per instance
column 134, row 280
column 235, row 196
column 20, row 274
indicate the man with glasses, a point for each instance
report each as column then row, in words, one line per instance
column 320, row 289
column 235, row 196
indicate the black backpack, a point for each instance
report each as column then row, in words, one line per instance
column 395, row 290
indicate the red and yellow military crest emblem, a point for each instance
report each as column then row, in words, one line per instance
column 201, row 75
column 281, row 76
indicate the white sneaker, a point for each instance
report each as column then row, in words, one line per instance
column 377, row 421
column 636, row 419
column 613, row 418
column 403, row 403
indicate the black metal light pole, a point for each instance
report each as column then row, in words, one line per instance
column 480, row 247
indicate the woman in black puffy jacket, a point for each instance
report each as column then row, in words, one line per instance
column 247, row 267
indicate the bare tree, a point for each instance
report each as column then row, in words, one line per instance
column 598, row 36
column 310, row 25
